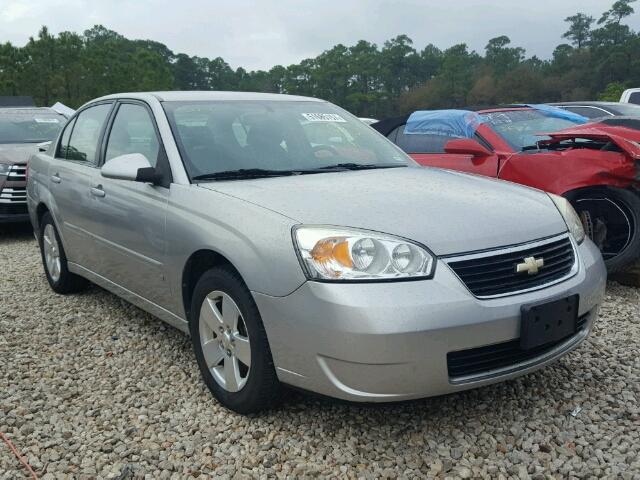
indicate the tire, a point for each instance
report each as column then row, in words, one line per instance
column 59, row 277
column 611, row 218
column 239, row 387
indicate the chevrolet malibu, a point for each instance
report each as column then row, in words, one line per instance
column 326, row 261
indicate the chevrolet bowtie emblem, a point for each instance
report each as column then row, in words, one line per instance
column 531, row 265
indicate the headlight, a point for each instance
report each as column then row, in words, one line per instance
column 339, row 254
column 4, row 169
column 570, row 216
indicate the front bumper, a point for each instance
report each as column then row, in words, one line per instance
column 379, row 342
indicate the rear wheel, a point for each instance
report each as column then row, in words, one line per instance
column 54, row 260
column 611, row 218
column 230, row 343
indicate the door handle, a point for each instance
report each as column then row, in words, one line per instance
column 97, row 191
column 55, row 178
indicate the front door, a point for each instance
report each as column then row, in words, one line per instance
column 131, row 235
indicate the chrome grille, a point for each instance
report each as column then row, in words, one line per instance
column 17, row 173
column 13, row 195
column 496, row 272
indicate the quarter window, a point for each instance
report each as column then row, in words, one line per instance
column 133, row 132
column 64, row 140
column 83, row 144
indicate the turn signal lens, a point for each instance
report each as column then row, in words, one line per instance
column 329, row 253
column 332, row 249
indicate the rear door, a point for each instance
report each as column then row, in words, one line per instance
column 130, row 240
column 428, row 150
column 71, row 174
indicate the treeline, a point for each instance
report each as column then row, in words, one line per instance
column 601, row 58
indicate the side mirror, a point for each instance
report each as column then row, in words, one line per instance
column 44, row 146
column 133, row 166
column 467, row 146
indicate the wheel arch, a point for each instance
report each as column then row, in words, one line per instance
column 196, row 265
column 600, row 188
column 41, row 209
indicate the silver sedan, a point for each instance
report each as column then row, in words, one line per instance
column 298, row 246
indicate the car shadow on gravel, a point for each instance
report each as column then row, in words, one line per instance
column 16, row 231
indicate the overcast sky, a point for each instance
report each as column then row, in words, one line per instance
column 262, row 33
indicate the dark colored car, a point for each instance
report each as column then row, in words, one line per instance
column 594, row 110
column 21, row 130
column 596, row 166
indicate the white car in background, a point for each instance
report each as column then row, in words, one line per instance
column 631, row 95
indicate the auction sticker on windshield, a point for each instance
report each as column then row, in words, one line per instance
column 323, row 117
column 46, row 120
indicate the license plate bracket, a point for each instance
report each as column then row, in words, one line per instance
column 548, row 322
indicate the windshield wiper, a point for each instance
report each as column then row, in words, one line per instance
column 354, row 166
column 244, row 173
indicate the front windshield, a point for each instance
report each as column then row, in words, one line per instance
column 29, row 125
column 520, row 128
column 223, row 136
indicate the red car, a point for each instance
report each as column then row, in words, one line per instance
column 594, row 165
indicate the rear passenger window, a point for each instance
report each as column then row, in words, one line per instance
column 83, row 144
column 133, row 131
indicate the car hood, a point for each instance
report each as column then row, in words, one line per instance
column 447, row 211
column 17, row 152
column 627, row 139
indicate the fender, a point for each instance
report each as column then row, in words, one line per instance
column 562, row 171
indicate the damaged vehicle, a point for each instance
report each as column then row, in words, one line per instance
column 596, row 166
column 23, row 131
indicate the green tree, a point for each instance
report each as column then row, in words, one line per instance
column 579, row 29
column 612, row 92
column 501, row 57
column 612, row 30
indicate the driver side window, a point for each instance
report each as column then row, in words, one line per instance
column 133, row 132
column 420, row 143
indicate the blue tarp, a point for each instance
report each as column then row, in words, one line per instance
column 448, row 123
column 556, row 112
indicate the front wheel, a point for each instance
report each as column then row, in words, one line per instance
column 230, row 343
column 611, row 218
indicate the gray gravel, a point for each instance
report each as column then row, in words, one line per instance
column 91, row 387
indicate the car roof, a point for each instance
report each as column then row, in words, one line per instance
column 204, row 95
column 496, row 108
column 387, row 125
column 588, row 103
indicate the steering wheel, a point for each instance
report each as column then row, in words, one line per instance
column 327, row 148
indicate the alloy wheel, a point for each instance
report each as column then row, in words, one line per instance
column 225, row 341
column 51, row 252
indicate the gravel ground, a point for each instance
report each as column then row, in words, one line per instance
column 92, row 387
